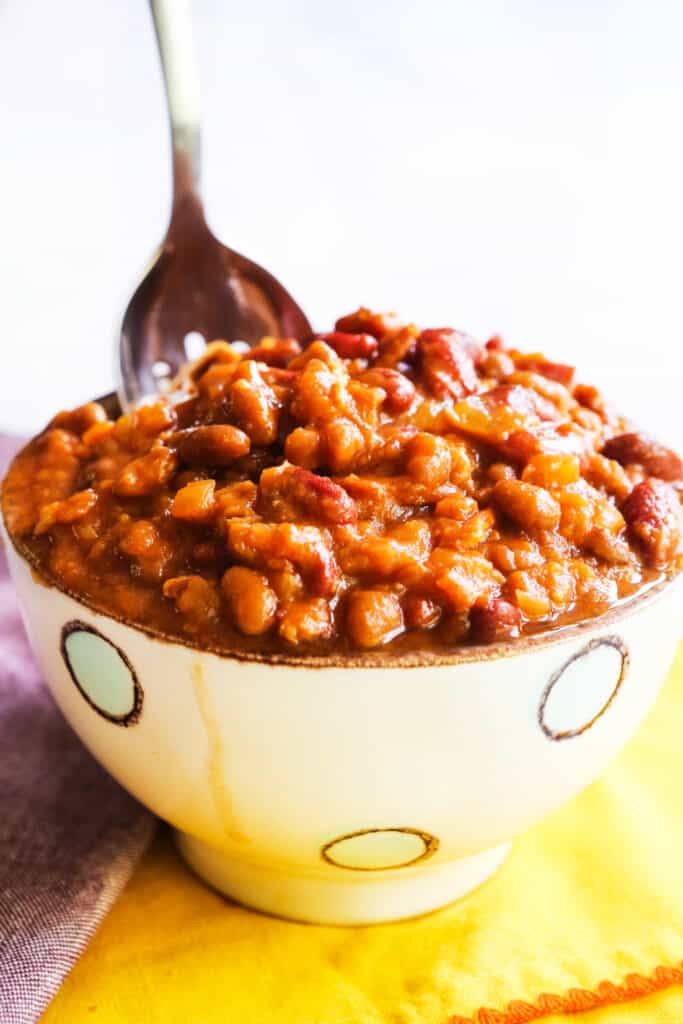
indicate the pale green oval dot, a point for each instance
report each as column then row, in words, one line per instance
column 374, row 851
column 101, row 673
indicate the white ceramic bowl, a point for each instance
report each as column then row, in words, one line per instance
column 341, row 793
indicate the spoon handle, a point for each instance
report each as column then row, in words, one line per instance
column 173, row 26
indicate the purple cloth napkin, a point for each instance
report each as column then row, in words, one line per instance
column 69, row 835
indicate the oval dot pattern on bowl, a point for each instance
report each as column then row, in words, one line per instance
column 583, row 688
column 379, row 849
column 102, row 673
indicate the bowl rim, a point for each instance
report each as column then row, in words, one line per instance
column 377, row 659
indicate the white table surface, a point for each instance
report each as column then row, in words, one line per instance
column 512, row 168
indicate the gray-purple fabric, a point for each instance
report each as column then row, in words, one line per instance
column 69, row 835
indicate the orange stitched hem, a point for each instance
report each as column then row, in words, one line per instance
column 577, row 1000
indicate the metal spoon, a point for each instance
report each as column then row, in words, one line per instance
column 196, row 285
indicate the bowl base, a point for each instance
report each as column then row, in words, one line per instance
column 355, row 899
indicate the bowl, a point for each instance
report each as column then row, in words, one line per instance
column 349, row 791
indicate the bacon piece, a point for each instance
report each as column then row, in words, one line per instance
column 446, row 361
column 400, row 391
column 523, row 400
column 268, row 545
column 398, row 350
column 645, row 451
column 654, row 521
column 288, row 493
column 560, row 372
column 531, row 507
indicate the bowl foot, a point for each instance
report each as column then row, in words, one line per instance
column 347, row 897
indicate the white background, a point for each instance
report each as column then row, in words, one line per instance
column 510, row 167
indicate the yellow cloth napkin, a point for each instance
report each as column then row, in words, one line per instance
column 590, row 900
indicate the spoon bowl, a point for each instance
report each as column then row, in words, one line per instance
column 196, row 285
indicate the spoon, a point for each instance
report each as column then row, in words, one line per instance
column 196, row 285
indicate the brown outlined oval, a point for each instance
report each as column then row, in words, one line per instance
column 615, row 642
column 430, row 842
column 130, row 717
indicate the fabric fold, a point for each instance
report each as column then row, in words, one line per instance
column 70, row 836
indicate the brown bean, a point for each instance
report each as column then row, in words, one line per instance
column 373, row 617
column 303, row 447
column 77, row 421
column 529, row 594
column 530, row 506
column 494, row 620
column 217, row 353
column 496, row 364
column 195, row 598
column 274, row 351
column 138, row 428
column 66, row 512
column 215, row 445
column 428, row 459
column 608, row 474
column 342, row 442
column 590, row 398
column 420, row 612
column 364, row 321
column 306, row 622
column 463, row 578
column 254, row 404
column 552, row 470
column 251, row 600
column 351, row 346
column 195, row 501
column 149, row 552
column 98, row 433
column 147, row 474
column 607, row 545
column 456, row 506
column 321, row 395
column 236, row 500
column 500, row 471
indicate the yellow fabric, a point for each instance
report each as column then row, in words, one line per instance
column 593, row 893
